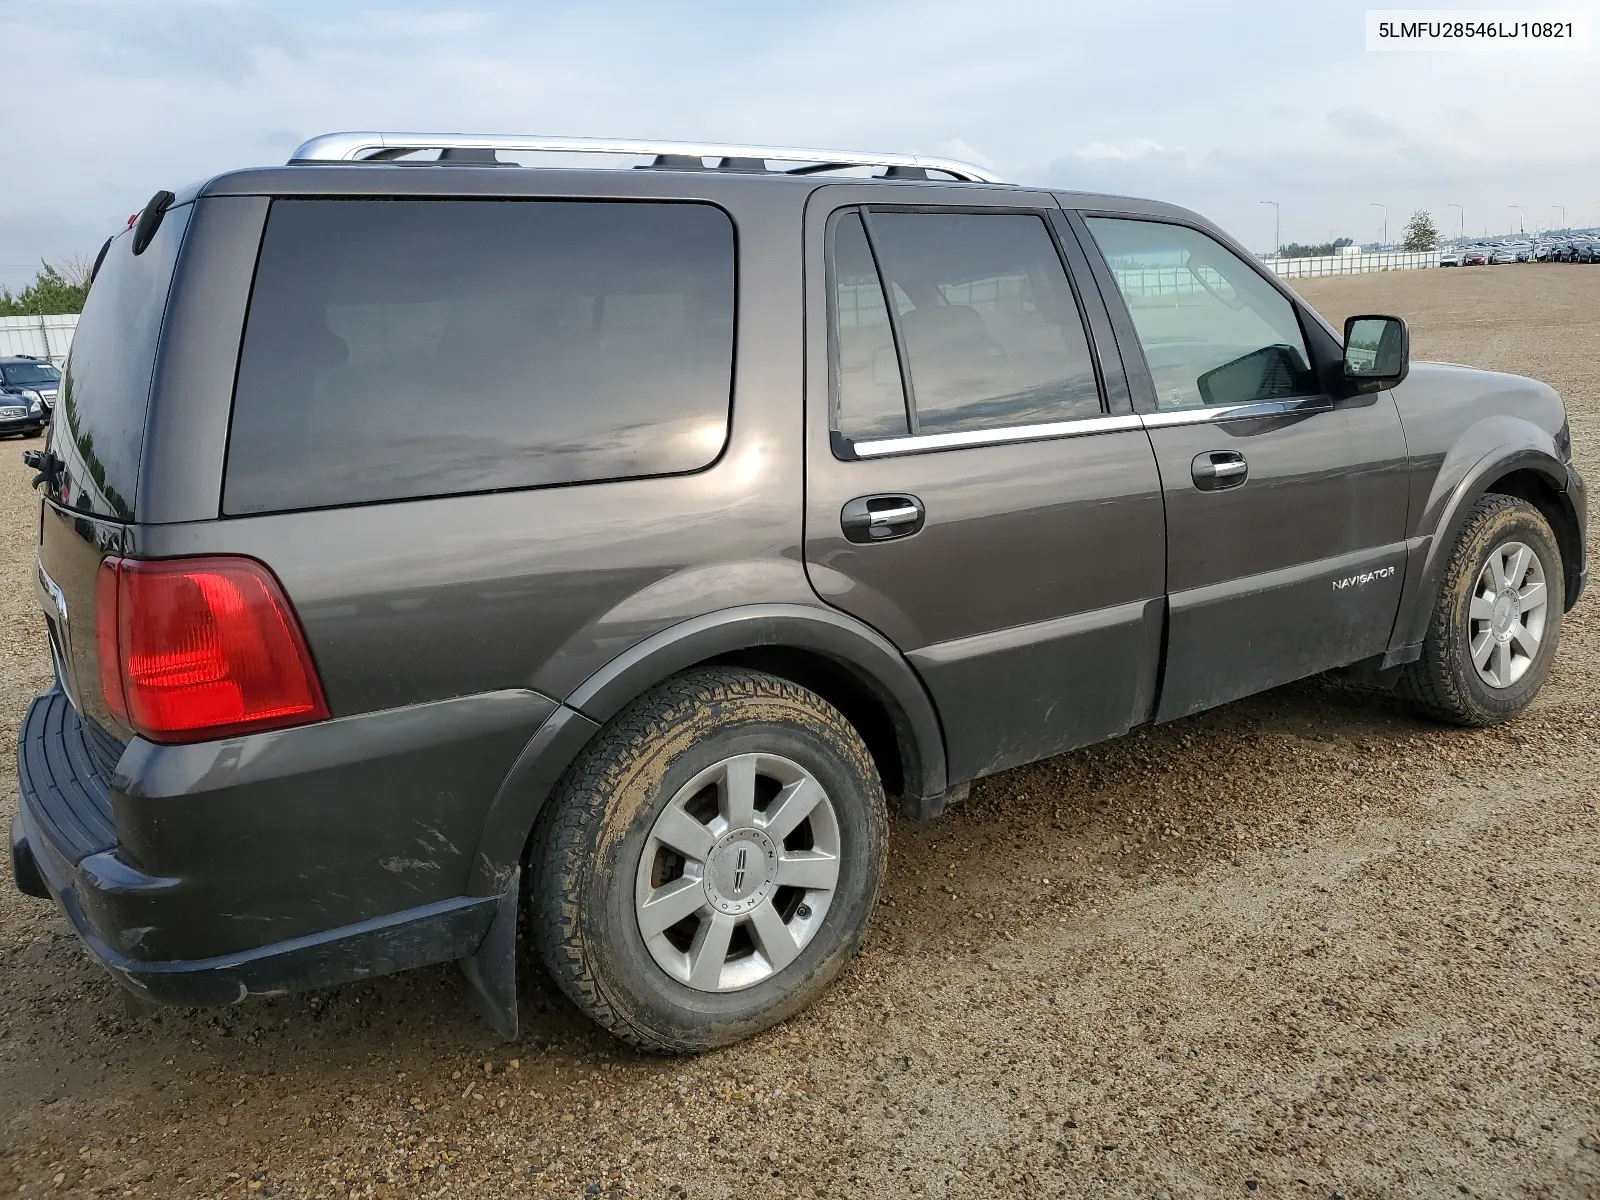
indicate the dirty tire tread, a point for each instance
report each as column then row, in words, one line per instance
column 1434, row 684
column 562, row 850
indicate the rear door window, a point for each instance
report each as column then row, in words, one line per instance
column 992, row 334
column 869, row 398
column 400, row 349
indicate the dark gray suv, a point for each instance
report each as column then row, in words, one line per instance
column 432, row 552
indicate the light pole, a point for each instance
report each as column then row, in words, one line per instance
column 1277, row 227
column 1385, row 208
column 1463, row 219
column 1521, row 224
column 1562, row 208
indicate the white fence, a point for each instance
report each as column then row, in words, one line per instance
column 42, row 337
column 1354, row 264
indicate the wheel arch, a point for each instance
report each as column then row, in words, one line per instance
column 844, row 661
column 1556, row 506
column 1527, row 472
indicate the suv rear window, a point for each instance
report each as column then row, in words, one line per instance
column 407, row 348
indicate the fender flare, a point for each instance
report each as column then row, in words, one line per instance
column 866, row 654
column 1411, row 623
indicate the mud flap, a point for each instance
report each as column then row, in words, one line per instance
column 492, row 971
column 927, row 808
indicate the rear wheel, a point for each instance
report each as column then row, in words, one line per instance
column 1495, row 625
column 710, row 863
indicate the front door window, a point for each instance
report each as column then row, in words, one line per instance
column 1213, row 330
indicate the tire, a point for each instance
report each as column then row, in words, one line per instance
column 599, row 853
column 1445, row 683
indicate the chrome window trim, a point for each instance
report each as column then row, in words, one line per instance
column 919, row 444
column 1237, row 412
column 1088, row 426
column 922, row 442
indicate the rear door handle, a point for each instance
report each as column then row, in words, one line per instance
column 880, row 518
column 1218, row 469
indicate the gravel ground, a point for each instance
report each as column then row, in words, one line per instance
column 1305, row 945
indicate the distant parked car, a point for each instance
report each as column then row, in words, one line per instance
column 27, row 394
column 21, row 413
column 1476, row 256
column 40, row 375
column 1502, row 255
column 1586, row 251
column 1449, row 258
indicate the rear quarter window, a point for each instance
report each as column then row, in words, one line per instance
column 399, row 348
column 99, row 422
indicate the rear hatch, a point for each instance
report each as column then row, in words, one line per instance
column 96, row 442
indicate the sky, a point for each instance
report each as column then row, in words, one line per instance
column 1218, row 106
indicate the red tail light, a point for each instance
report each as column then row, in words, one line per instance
column 195, row 648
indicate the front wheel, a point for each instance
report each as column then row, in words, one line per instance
column 709, row 865
column 1493, row 633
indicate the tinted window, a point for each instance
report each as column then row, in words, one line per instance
column 868, row 397
column 417, row 348
column 30, row 375
column 992, row 332
column 1213, row 330
column 105, row 389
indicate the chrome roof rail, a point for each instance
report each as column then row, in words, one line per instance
column 370, row 146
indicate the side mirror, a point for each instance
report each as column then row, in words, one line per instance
column 1377, row 350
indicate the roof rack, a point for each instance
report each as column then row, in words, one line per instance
column 384, row 147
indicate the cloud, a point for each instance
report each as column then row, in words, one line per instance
column 958, row 148
column 1136, row 149
column 167, row 39
column 427, row 24
column 1362, row 124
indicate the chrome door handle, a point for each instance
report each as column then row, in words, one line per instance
column 893, row 516
column 1218, row 469
column 880, row 518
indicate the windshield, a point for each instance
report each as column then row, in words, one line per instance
column 30, row 375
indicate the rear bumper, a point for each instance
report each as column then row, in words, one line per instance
column 429, row 934
column 204, row 874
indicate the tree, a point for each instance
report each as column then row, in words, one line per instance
column 1320, row 250
column 1421, row 233
column 54, row 290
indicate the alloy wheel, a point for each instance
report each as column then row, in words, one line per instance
column 1506, row 618
column 738, row 872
